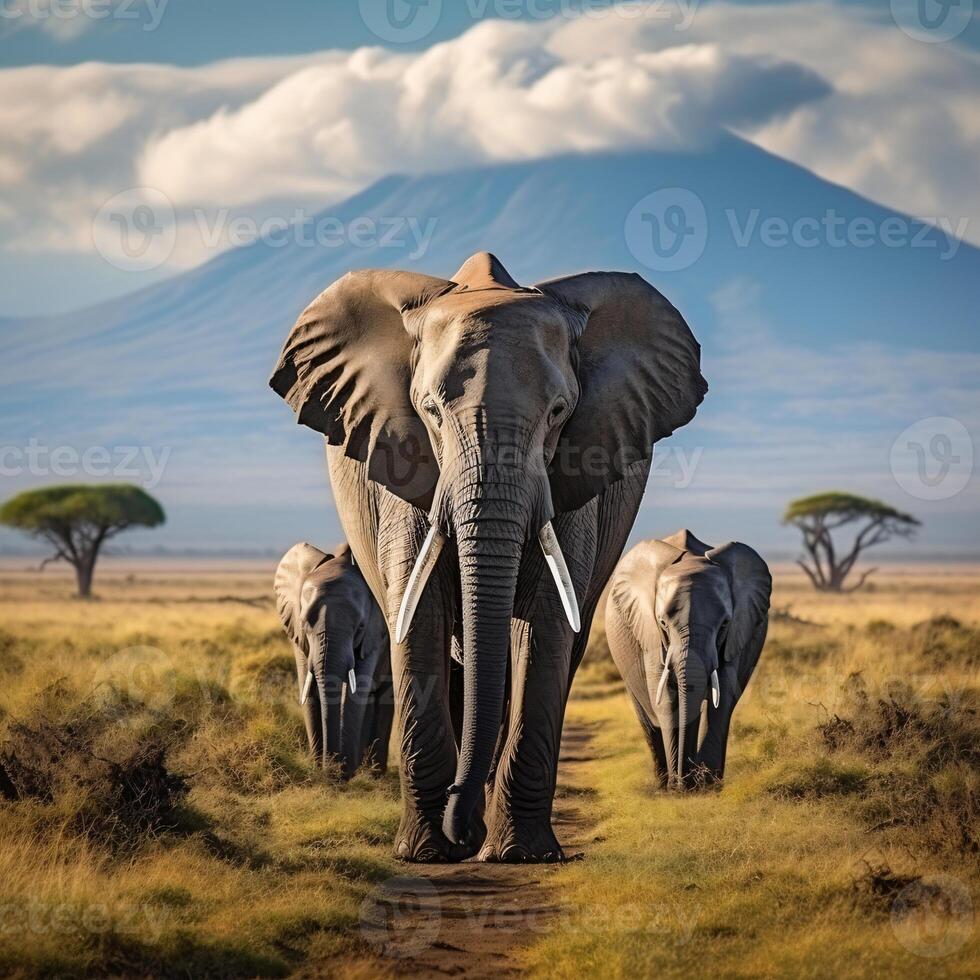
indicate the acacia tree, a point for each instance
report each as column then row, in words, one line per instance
column 77, row 520
column 819, row 515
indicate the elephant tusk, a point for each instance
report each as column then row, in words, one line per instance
column 352, row 681
column 663, row 678
column 555, row 561
column 305, row 693
column 432, row 547
column 715, row 689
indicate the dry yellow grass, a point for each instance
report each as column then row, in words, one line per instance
column 261, row 868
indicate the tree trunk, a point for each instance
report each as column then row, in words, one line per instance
column 84, row 571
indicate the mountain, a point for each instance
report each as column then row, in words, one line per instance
column 828, row 323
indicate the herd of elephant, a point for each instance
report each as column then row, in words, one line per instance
column 488, row 446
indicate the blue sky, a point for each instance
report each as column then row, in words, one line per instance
column 220, row 112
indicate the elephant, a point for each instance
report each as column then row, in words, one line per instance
column 682, row 618
column 343, row 667
column 488, row 445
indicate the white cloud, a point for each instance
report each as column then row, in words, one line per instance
column 494, row 94
column 853, row 99
column 902, row 125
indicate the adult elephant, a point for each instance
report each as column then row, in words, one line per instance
column 343, row 667
column 479, row 432
column 685, row 620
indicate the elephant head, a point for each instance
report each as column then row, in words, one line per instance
column 492, row 407
column 325, row 634
column 708, row 612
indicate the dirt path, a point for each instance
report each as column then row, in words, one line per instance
column 473, row 919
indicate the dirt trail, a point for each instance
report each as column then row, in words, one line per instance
column 473, row 919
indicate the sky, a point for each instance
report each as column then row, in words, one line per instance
column 226, row 111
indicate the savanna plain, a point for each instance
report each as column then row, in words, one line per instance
column 159, row 815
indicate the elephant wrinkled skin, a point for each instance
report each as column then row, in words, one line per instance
column 343, row 667
column 686, row 624
column 488, row 445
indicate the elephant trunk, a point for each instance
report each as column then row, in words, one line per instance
column 329, row 661
column 490, row 525
column 677, row 707
column 692, row 684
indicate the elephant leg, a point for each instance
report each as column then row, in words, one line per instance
column 655, row 742
column 378, row 726
column 519, row 821
column 312, row 719
column 420, row 674
column 714, row 746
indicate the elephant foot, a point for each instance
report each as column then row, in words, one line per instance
column 424, row 844
column 524, row 843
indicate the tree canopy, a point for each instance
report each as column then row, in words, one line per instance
column 820, row 514
column 76, row 520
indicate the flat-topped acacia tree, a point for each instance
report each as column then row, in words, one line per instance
column 819, row 515
column 76, row 520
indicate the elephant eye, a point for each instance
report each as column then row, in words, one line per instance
column 557, row 410
column 432, row 410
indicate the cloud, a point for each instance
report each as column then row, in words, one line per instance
column 901, row 125
column 850, row 97
column 495, row 93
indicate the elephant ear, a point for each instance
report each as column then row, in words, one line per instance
column 751, row 589
column 634, row 588
column 345, row 370
column 639, row 380
column 297, row 565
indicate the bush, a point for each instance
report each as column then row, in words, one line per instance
column 105, row 783
column 924, row 759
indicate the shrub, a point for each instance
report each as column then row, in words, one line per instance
column 101, row 781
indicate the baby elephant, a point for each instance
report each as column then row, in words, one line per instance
column 343, row 666
column 686, row 624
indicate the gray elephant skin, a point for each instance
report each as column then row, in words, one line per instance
column 343, row 667
column 686, row 624
column 488, row 445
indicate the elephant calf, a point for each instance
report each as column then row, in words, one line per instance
column 343, row 666
column 686, row 624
